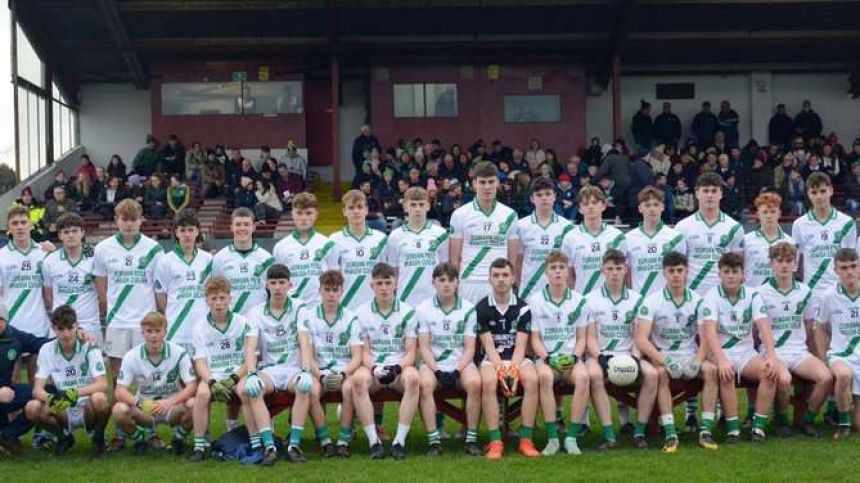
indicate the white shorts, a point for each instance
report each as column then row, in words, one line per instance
column 76, row 416
column 119, row 341
column 474, row 292
column 792, row 358
column 281, row 375
column 854, row 364
column 740, row 358
column 682, row 357
column 94, row 330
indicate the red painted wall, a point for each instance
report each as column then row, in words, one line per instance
column 481, row 106
column 318, row 122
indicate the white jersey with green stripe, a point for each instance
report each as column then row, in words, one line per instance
column 842, row 312
column 614, row 319
column 130, row 274
column 817, row 241
column 734, row 320
column 387, row 333
column 277, row 337
column 71, row 283
column 356, row 257
column 788, row 311
column 75, row 372
column 448, row 330
column 246, row 272
column 333, row 341
column 756, row 255
column 485, row 238
column 585, row 251
column 536, row 241
column 645, row 256
column 223, row 350
column 557, row 322
column 160, row 378
column 21, row 281
column 183, row 284
column 306, row 261
column 705, row 244
column 674, row 326
column 415, row 254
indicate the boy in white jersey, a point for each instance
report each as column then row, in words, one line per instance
column 70, row 386
column 666, row 329
column 482, row 231
column 728, row 315
column 165, row 384
column 558, row 339
column 357, row 249
column 647, row 244
column 758, row 242
column 390, row 333
column 837, row 336
column 274, row 332
column 219, row 357
column 243, row 262
column 21, row 277
column 447, row 331
column 539, row 233
column 612, row 310
column 331, row 348
column 124, row 270
column 68, row 276
column 787, row 304
column 586, row 244
column 415, row 248
column 305, row 250
column 179, row 280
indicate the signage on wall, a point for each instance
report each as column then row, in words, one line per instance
column 263, row 73
column 494, row 71
column 535, row 83
column 239, row 76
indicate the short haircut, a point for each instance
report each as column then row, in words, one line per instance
column 556, row 256
column 241, row 212
column 17, row 210
column 305, row 201
column 186, row 217
column 128, row 209
column 278, row 271
column 818, row 180
column 64, row 317
column 486, row 169
column 540, row 184
column 383, row 270
column 501, row 262
column 415, row 193
column 731, row 260
column 70, row 220
column 331, row 279
column 651, row 193
column 216, row 285
column 445, row 269
column 768, row 198
column 153, row 320
column 845, row 255
column 589, row 192
column 614, row 255
column 709, row 180
column 782, row 251
column 674, row 259
column 353, row 197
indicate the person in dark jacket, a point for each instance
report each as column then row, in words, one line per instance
column 705, row 126
column 807, row 123
column 366, row 141
column 781, row 127
column 173, row 156
column 760, row 177
column 147, row 159
column 642, row 126
column 667, row 126
column 245, row 195
column 616, row 166
column 729, row 121
column 641, row 176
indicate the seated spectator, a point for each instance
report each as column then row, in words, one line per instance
column 594, row 153
column 246, row 169
column 760, row 177
column 113, row 193
column 732, row 202
column 194, row 160
column 393, row 207
column 504, row 170
column 545, row 171
column 795, row 193
column 155, row 198
column 676, row 173
column 214, row 178
column 813, row 165
column 723, row 168
column 268, row 205
column 269, row 165
column 375, row 217
column 610, row 191
column 57, row 206
column 831, row 161
column 297, row 169
column 84, row 195
column 668, row 197
column 415, row 178
column 245, row 195
column 221, row 154
column 61, row 181
column 554, row 163
column 658, row 160
column 116, row 168
column 685, row 202
column 535, row 155
column 565, row 203
column 134, row 188
column 86, row 167
column 178, row 195
column 36, row 213
column 432, row 198
column 449, row 199
column 146, row 160
column 450, row 168
column 852, row 190
column 173, row 156
column 782, row 172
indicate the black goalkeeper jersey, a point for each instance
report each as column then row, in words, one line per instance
column 503, row 326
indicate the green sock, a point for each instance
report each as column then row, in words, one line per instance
column 783, row 419
column 733, row 425
column 323, row 436
column 608, row 432
column 254, row 439
column 200, row 443
column 179, row 432
column 831, row 406
column 552, row 429
column 750, row 411
column 433, row 437
column 639, row 429
column 573, row 429
column 471, row 435
column 139, row 434
column 526, row 432
column 267, row 438
column 707, row 423
column 296, row 436
column 440, row 419
column 760, row 421
column 844, row 418
column 495, row 435
column 809, row 417
column 345, row 436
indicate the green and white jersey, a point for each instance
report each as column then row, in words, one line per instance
column 71, row 284
column 387, row 333
column 585, row 251
column 75, row 372
column 756, row 255
column 183, row 283
column 21, row 281
column 448, row 330
column 246, row 272
column 536, row 242
column 160, row 378
column 817, row 241
column 277, row 337
column 843, row 314
column 734, row 319
column 614, row 319
column 485, row 238
column 306, row 262
column 223, row 350
column 333, row 341
column 557, row 322
column 787, row 312
column 415, row 254
column 130, row 274
column 673, row 326
column 705, row 244
column 645, row 256
column 356, row 257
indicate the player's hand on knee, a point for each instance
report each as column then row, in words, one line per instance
column 304, row 383
column 254, row 385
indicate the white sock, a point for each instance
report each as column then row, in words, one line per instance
column 667, row 419
column 402, row 432
column 370, row 432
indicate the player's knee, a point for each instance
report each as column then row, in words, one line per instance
column 842, row 375
column 409, row 377
column 784, row 380
column 33, row 409
column 823, row 378
column 471, row 385
column 580, row 378
column 709, row 371
column 120, row 410
column 99, row 402
column 427, row 384
column 204, row 395
column 316, row 390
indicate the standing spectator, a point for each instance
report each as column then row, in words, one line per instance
column 194, row 160
column 705, row 125
column 110, row 196
column 147, row 159
column 616, row 166
column 173, row 156
column 760, row 177
column 116, row 168
column 668, row 197
column 685, row 203
column 729, row 121
column 155, row 198
column 57, row 206
column 642, row 126
column 535, row 155
column 667, row 126
column 297, row 169
column 178, row 194
column 214, row 178
column 268, row 205
column 86, row 167
column 781, row 127
column 795, row 193
column 366, row 141
column 641, row 176
column 807, row 123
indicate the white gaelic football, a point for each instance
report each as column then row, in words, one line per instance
column 622, row 370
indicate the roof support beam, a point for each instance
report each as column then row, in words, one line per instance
column 110, row 13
